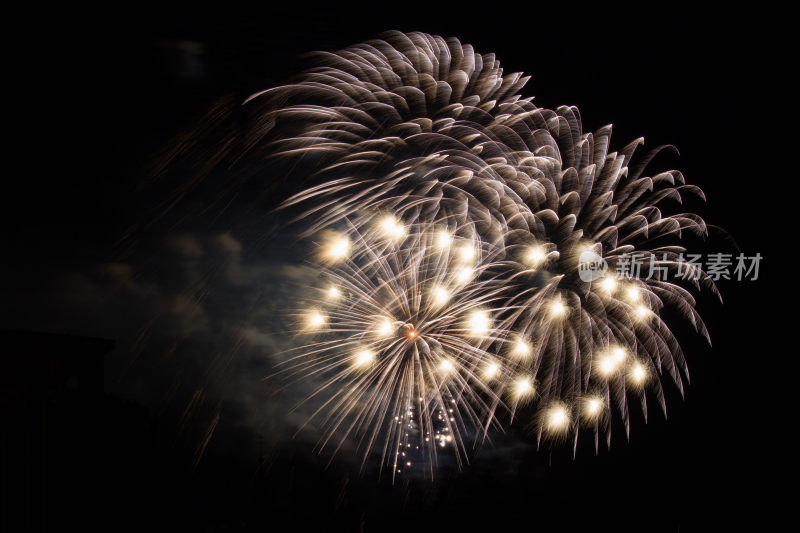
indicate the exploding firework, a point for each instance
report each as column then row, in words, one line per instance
column 454, row 280
column 410, row 329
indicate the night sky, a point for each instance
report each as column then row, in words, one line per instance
column 184, row 434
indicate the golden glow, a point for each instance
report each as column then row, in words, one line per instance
column 466, row 253
column 608, row 284
column 592, row 407
column 521, row 349
column 606, row 366
column 385, row 327
column 557, row 308
column 609, row 362
column 464, row 274
column 557, row 418
column 315, row 319
column 333, row 293
column 336, row 247
column 479, row 323
column 641, row 312
column 523, row 387
column 638, row 373
column 535, row 255
column 364, row 358
column 491, row 371
column 440, row 296
column 443, row 239
column 446, row 366
column 392, row 228
column 633, row 294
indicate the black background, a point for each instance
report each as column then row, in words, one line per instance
column 91, row 94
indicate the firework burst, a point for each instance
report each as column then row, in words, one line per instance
column 454, row 280
column 408, row 329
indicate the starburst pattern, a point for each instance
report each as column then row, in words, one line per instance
column 409, row 338
column 453, row 283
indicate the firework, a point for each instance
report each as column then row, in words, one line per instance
column 406, row 340
column 454, row 280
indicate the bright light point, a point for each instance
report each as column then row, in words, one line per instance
column 479, row 323
column 592, row 407
column 337, row 248
column 391, row 227
column 523, row 386
column 449, row 438
column 364, row 358
column 315, row 319
column 440, row 296
column 633, row 294
column 641, row 312
column 412, row 334
column 557, row 308
column 610, row 362
column 607, row 366
column 464, row 274
column 385, row 327
column 491, row 371
column 557, row 418
column 608, row 284
column 443, row 239
column 333, row 293
column 638, row 373
column 466, row 253
column 535, row 255
column 521, row 349
column 446, row 366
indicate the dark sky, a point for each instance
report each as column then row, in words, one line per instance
column 91, row 97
